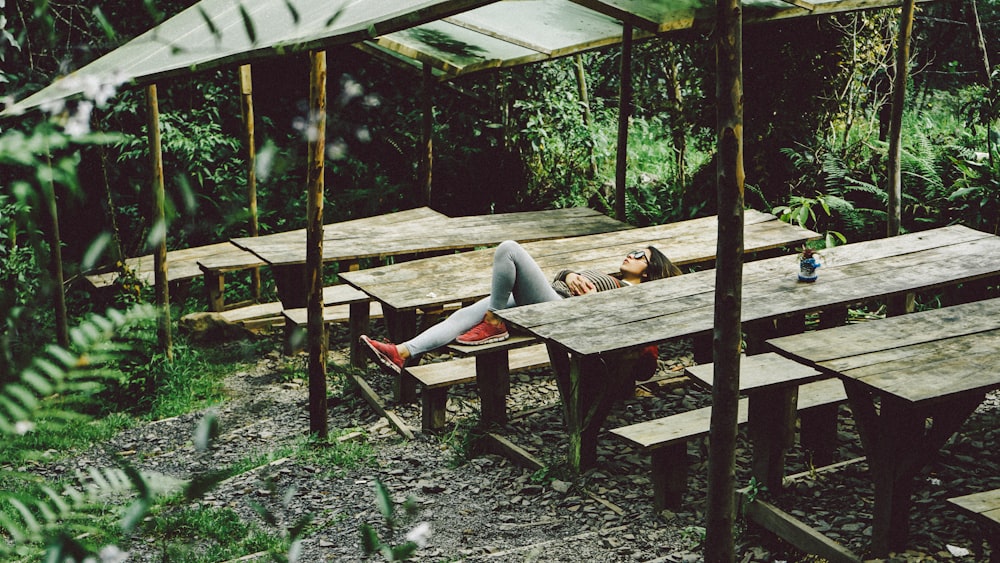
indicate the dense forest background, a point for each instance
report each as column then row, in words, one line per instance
column 816, row 118
column 817, row 92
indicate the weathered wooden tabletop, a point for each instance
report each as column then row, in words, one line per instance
column 463, row 277
column 683, row 306
column 380, row 238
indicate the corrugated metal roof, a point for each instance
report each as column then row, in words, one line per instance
column 454, row 37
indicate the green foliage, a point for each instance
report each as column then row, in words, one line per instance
column 371, row 543
column 39, row 517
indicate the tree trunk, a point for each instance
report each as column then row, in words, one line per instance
column 581, row 84
column 162, row 286
column 896, row 121
column 317, row 342
column 55, row 262
column 726, row 338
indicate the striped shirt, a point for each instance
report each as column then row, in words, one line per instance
column 602, row 282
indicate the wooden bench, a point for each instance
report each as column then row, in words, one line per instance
column 666, row 438
column 436, row 378
column 984, row 508
column 337, row 303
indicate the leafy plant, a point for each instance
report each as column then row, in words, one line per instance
column 416, row 538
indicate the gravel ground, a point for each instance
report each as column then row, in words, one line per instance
column 486, row 508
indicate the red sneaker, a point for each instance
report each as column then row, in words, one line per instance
column 484, row 333
column 385, row 354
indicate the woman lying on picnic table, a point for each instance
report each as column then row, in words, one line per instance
column 518, row 280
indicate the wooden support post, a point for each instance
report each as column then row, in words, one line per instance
column 246, row 106
column 669, row 475
column 719, row 544
column 317, row 341
column 493, row 379
column 588, row 121
column 57, row 290
column 426, row 165
column 624, row 113
column 215, row 283
column 162, row 285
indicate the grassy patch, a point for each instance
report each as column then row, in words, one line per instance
column 54, row 439
column 206, row 534
column 338, row 454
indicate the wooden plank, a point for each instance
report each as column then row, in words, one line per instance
column 794, row 531
column 760, row 371
column 377, row 239
column 986, row 503
column 183, row 263
column 331, row 314
column 463, row 370
column 376, row 402
column 915, row 328
column 660, row 432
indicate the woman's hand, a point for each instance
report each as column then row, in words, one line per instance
column 579, row 285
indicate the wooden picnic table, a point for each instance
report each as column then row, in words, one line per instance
column 461, row 278
column 380, row 238
column 598, row 326
column 215, row 266
column 898, row 373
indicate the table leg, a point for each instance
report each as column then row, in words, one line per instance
column 772, row 431
column 402, row 326
column 898, row 444
column 589, row 387
column 215, row 283
column 290, row 282
column 493, row 380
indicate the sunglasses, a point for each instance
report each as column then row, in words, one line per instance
column 638, row 255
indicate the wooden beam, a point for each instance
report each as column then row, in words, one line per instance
column 246, row 109
column 795, row 532
column 316, row 328
column 624, row 16
column 160, row 281
column 727, row 333
column 624, row 112
column 426, row 165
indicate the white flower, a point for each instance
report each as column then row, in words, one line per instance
column 419, row 534
column 372, row 101
column 22, row 427
column 78, row 123
column 336, row 150
column 363, row 134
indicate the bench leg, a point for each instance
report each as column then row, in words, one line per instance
column 215, row 283
column 818, row 433
column 434, row 408
column 669, row 475
column 360, row 320
column 493, row 380
column 772, row 431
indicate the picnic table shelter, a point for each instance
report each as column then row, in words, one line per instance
column 450, row 38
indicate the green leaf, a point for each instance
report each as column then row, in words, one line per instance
column 248, row 24
column 109, row 30
column 209, row 23
column 369, row 539
column 384, row 500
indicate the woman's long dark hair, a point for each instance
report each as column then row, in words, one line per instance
column 660, row 266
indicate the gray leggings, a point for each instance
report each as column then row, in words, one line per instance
column 517, row 280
